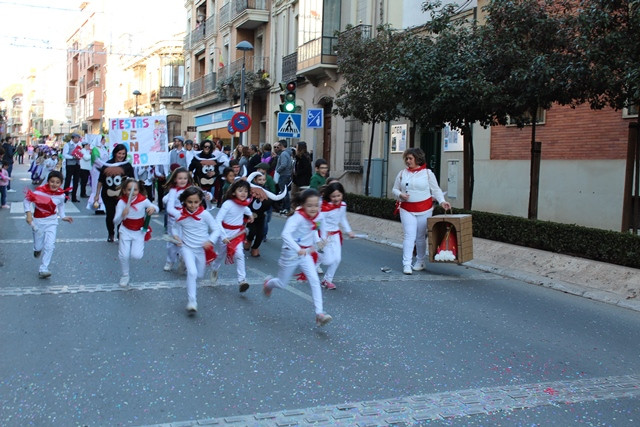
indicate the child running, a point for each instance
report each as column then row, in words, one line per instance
column 232, row 217
column 132, row 210
column 299, row 238
column 179, row 180
column 196, row 231
column 48, row 200
column 334, row 215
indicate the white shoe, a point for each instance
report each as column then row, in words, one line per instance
column 168, row 266
column 124, row 281
column 192, row 307
column 407, row 269
column 418, row 266
column 214, row 277
column 319, row 269
column 11, row 191
column 44, row 274
column 322, row 319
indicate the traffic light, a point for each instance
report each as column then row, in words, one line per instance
column 288, row 98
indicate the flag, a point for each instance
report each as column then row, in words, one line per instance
column 221, row 63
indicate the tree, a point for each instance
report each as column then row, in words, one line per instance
column 368, row 66
column 527, row 48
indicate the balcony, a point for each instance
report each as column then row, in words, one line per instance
column 202, row 86
column 166, row 93
column 204, row 30
column 318, row 59
column 249, row 14
column 93, row 83
column 255, row 64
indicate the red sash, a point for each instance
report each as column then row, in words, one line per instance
column 314, row 255
column 136, row 225
column 339, row 232
column 233, row 244
column 421, row 206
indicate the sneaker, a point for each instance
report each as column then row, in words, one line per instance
column 418, row 266
column 192, row 307
column 214, row 277
column 11, row 191
column 168, row 266
column 328, row 285
column 407, row 269
column 6, row 206
column 44, row 274
column 319, row 269
column 322, row 319
column 266, row 289
column 36, row 254
column 124, row 281
column 244, row 286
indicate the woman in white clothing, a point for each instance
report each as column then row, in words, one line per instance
column 415, row 188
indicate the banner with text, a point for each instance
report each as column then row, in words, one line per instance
column 146, row 139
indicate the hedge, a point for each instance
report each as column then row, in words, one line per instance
column 570, row 239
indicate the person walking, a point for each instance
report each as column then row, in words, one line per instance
column 9, row 151
column 178, row 155
column 284, row 169
column 85, row 168
column 72, row 165
column 415, row 188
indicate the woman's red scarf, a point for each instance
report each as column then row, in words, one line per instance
column 417, row 169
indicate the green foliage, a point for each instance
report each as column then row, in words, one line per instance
column 599, row 245
column 228, row 88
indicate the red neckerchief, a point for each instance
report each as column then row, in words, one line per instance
column 181, row 188
column 246, row 202
column 139, row 198
column 308, row 218
column 47, row 190
column 418, row 169
column 328, row 206
column 194, row 215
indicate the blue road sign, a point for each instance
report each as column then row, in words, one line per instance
column 315, row 118
column 289, row 125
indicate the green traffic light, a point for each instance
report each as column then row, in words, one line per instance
column 289, row 107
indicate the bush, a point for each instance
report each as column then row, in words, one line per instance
column 570, row 239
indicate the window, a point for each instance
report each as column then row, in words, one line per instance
column 629, row 112
column 173, row 73
column 353, row 145
column 540, row 118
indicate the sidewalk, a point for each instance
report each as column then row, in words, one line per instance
column 599, row 281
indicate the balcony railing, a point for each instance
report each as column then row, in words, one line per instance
column 321, row 47
column 225, row 15
column 201, row 86
column 170, row 92
column 363, row 30
column 93, row 83
column 256, row 64
column 205, row 29
column 289, row 67
column 240, row 6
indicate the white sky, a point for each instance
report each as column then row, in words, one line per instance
column 33, row 33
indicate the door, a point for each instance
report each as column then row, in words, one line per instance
column 431, row 144
column 326, row 133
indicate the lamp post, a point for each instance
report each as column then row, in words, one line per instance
column 137, row 93
column 244, row 46
column 101, row 110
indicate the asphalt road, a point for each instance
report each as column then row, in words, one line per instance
column 451, row 346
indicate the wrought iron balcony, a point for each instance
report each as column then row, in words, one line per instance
column 201, row 86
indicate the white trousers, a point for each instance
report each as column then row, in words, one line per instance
column 415, row 233
column 289, row 261
column 331, row 256
column 194, row 261
column 238, row 259
column 44, row 239
column 172, row 250
column 95, row 174
column 130, row 245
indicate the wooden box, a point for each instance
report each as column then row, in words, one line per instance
column 461, row 223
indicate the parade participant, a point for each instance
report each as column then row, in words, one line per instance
column 132, row 210
column 85, row 168
column 195, row 233
column 270, row 185
column 72, row 166
column 334, row 211
column 299, row 238
column 262, row 199
column 179, row 180
column 112, row 174
column 232, row 217
column 204, row 169
column 99, row 156
column 48, row 201
column 415, row 188
column 229, row 178
column 319, row 178
column 178, row 155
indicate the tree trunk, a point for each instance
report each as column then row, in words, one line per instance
column 366, row 185
column 536, row 149
column 631, row 201
column 467, row 158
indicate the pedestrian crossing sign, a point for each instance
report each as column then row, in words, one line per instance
column 289, row 125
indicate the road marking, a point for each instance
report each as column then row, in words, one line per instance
column 421, row 409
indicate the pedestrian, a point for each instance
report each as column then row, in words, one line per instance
column 232, row 217
column 299, row 240
column 85, row 168
column 270, row 185
column 132, row 213
column 145, row 175
column 284, row 169
column 99, row 156
column 47, row 202
column 7, row 156
column 269, row 158
column 243, row 161
column 259, row 210
column 189, row 151
column 112, row 174
column 415, row 188
column 178, row 155
column 254, row 158
column 320, row 177
column 20, row 153
column 179, row 180
column 301, row 169
column 5, row 179
column 72, row 165
column 334, row 218
column 195, row 233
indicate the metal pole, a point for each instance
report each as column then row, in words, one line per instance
column 242, row 106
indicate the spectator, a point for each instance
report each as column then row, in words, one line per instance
column 302, row 169
column 320, row 177
column 9, row 151
column 284, row 169
column 72, row 165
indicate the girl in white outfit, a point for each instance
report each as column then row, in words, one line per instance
column 334, row 215
column 232, row 217
column 179, row 180
column 196, row 231
column 131, row 211
column 99, row 155
column 299, row 239
column 415, row 188
column 48, row 201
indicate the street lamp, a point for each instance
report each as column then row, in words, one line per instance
column 69, row 123
column 101, row 110
column 137, row 93
column 244, row 46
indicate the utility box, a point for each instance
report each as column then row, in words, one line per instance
column 461, row 226
column 375, row 178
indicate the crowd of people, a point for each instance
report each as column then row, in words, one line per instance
column 245, row 186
